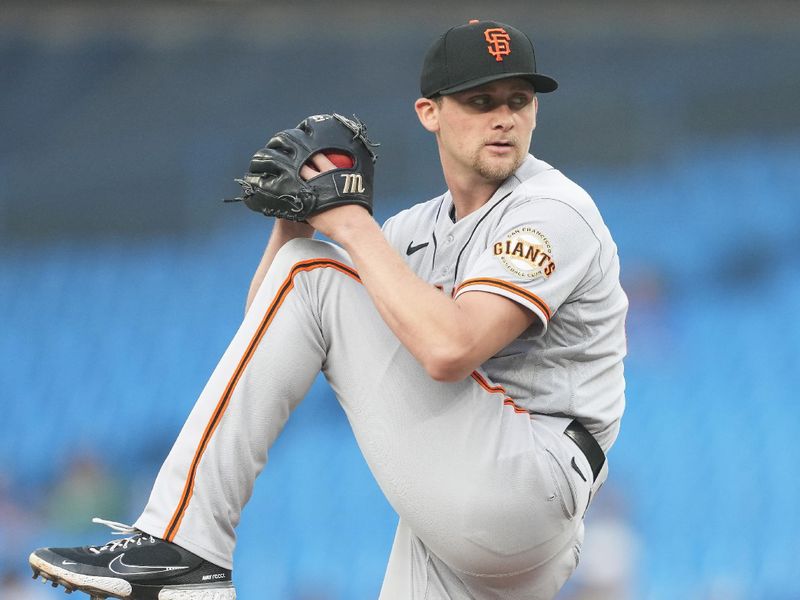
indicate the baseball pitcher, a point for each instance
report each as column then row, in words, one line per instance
column 475, row 343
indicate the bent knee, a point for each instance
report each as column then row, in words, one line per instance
column 302, row 249
column 489, row 541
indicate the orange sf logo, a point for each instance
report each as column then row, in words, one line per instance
column 498, row 40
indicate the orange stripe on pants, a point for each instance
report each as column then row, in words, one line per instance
column 219, row 411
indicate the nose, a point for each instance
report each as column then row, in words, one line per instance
column 502, row 118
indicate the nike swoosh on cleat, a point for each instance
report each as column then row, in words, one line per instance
column 411, row 248
column 120, row 568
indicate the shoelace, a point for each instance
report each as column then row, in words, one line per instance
column 137, row 536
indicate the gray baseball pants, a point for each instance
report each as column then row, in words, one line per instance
column 489, row 505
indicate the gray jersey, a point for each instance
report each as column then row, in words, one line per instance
column 539, row 241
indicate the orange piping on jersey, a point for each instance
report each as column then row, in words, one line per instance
column 497, row 389
column 222, row 405
column 509, row 287
column 486, row 385
column 517, row 409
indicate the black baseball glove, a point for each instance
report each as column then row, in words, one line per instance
column 273, row 185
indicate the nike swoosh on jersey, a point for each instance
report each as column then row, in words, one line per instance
column 411, row 248
column 120, row 568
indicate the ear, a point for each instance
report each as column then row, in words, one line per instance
column 428, row 113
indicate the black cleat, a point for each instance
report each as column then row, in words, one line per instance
column 138, row 567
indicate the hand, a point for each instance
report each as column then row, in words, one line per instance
column 334, row 222
column 321, row 164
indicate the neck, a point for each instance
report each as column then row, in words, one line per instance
column 469, row 196
column 468, row 189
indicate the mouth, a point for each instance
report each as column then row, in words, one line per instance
column 501, row 146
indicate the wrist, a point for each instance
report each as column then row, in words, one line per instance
column 292, row 229
column 343, row 224
column 354, row 227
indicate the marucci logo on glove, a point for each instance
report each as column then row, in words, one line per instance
column 353, row 184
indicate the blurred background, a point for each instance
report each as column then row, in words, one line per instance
column 123, row 276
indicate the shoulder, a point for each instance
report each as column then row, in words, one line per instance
column 545, row 192
column 424, row 212
column 560, row 211
column 545, row 182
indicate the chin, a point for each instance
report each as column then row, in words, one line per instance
column 497, row 168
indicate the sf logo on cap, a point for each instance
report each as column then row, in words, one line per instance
column 498, row 40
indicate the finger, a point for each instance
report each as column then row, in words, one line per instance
column 322, row 162
column 307, row 172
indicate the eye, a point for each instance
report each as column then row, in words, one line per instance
column 481, row 101
column 519, row 100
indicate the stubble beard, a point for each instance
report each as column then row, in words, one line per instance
column 496, row 170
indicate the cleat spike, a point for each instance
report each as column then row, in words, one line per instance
column 54, row 583
column 36, row 573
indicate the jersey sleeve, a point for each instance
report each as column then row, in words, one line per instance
column 388, row 230
column 538, row 255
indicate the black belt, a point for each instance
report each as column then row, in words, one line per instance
column 588, row 445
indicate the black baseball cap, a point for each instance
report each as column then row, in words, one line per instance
column 479, row 52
